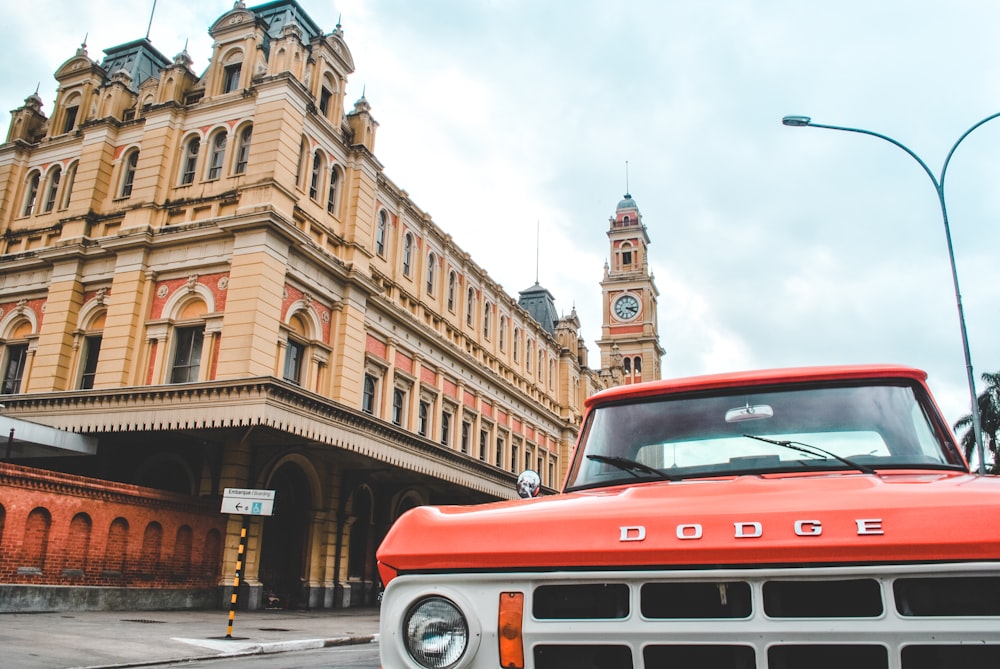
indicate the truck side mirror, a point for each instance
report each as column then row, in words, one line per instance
column 529, row 484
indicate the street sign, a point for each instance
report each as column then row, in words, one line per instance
column 248, row 501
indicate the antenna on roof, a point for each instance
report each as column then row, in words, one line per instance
column 626, row 178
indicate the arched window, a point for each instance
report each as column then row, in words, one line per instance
column 407, row 253
column 627, row 257
column 188, row 342
column 368, row 395
column 35, row 544
column 517, row 343
column 552, row 372
column 452, row 281
column 638, row 365
column 486, row 319
column 128, row 172
column 78, row 544
column 243, row 150
column 331, row 192
column 300, row 166
column 383, row 224
column 217, row 155
column 116, row 546
column 190, row 163
column 72, row 113
column 231, row 73
column 68, row 185
column 31, row 192
column 398, row 397
column 627, row 365
column 470, row 306
column 15, row 356
column 431, row 262
column 502, row 334
column 315, row 175
column 528, row 355
column 51, row 189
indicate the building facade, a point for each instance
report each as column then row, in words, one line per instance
column 212, row 278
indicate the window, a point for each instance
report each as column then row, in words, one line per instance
column 51, row 189
column 486, row 319
column 445, row 427
column 423, row 410
column 502, row 334
column 383, row 223
column 70, row 122
column 528, row 351
column 231, row 77
column 517, row 343
column 317, row 168
column 31, row 193
column 68, row 187
column 325, row 95
column 187, row 354
column 470, row 306
column 128, row 172
column 217, row 155
column 398, row 401
column 627, row 365
column 513, row 458
column 190, row 160
column 451, row 290
column 552, row 372
column 331, row 193
column 431, row 261
column 368, row 395
column 484, row 440
column 638, row 365
column 407, row 253
column 498, row 461
column 243, row 150
column 295, row 352
column 91, row 352
column 466, row 427
column 17, row 356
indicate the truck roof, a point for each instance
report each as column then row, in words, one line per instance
column 762, row 377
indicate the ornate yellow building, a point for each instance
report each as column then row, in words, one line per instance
column 213, row 277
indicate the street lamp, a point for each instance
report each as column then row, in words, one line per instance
column 805, row 121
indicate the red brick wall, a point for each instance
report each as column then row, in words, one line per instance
column 59, row 529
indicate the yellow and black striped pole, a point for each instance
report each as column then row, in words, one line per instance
column 240, row 561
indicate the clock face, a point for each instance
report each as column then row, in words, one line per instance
column 626, row 307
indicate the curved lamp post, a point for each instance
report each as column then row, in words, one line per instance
column 805, row 121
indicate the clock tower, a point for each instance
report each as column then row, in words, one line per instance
column 629, row 335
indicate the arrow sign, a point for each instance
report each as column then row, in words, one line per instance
column 248, row 502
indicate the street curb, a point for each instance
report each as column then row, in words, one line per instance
column 255, row 649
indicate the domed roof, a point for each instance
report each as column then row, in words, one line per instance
column 627, row 203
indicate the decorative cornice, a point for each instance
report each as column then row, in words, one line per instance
column 256, row 402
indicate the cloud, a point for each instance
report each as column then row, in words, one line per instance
column 771, row 246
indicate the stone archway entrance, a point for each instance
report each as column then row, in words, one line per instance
column 285, row 541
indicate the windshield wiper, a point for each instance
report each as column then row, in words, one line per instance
column 631, row 466
column 814, row 451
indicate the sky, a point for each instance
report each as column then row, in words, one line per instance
column 511, row 120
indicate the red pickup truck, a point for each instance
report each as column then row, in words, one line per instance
column 817, row 517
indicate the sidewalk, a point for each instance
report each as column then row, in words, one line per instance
column 98, row 639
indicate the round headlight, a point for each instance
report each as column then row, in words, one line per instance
column 436, row 633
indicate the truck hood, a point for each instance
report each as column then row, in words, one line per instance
column 740, row 521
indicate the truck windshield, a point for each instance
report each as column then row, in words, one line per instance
column 857, row 428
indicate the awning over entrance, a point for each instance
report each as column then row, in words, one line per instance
column 23, row 439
